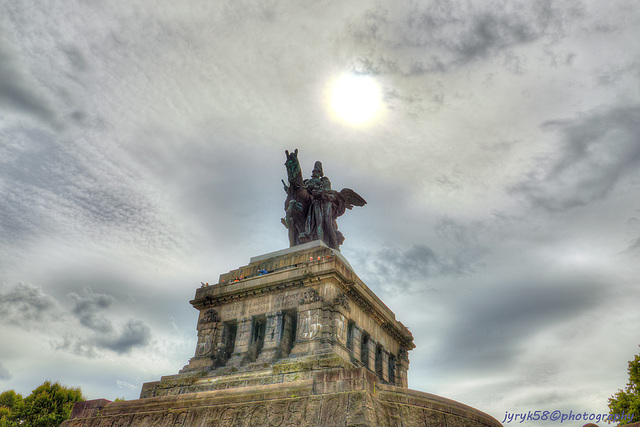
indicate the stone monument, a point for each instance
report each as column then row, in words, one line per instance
column 294, row 338
column 312, row 207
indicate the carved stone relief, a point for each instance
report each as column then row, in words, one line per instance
column 310, row 296
column 309, row 324
column 204, row 346
column 341, row 329
column 342, row 300
column 210, row 316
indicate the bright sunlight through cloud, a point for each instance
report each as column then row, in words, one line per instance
column 355, row 99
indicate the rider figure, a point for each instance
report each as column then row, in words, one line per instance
column 321, row 222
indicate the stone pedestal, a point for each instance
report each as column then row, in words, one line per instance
column 339, row 397
column 292, row 338
column 299, row 302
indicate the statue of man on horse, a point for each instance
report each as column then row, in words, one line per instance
column 312, row 207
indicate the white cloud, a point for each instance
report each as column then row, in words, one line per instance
column 141, row 152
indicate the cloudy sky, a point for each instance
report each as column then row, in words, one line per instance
column 142, row 147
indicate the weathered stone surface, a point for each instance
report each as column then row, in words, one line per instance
column 297, row 303
column 335, row 397
column 88, row 408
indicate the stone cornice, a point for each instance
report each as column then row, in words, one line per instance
column 206, row 299
column 328, row 268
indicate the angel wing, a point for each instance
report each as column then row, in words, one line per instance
column 347, row 199
column 352, row 198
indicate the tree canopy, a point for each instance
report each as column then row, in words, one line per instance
column 627, row 402
column 47, row 406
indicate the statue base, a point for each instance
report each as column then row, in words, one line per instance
column 293, row 338
column 335, row 397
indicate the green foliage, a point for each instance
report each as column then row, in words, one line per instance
column 9, row 403
column 47, row 406
column 627, row 402
column 9, row 399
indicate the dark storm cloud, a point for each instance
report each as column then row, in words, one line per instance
column 86, row 309
column 26, row 305
column 416, row 261
column 490, row 326
column 134, row 333
column 419, row 261
column 18, row 91
column 459, row 250
column 410, row 268
column 596, row 152
column 445, row 34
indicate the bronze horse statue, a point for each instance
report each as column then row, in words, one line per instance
column 312, row 207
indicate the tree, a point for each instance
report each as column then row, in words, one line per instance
column 9, row 402
column 626, row 402
column 47, row 406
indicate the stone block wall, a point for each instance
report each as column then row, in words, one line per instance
column 299, row 302
column 342, row 397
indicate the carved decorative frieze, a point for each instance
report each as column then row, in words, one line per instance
column 204, row 300
column 310, row 296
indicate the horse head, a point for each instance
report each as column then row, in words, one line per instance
column 294, row 173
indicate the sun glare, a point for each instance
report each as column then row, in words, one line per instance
column 356, row 99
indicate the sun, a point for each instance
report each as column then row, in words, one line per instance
column 356, row 98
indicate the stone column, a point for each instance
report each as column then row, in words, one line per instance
column 243, row 336
column 372, row 354
column 208, row 335
column 310, row 324
column 339, row 335
column 401, row 374
column 308, row 332
column 402, row 368
column 385, row 365
column 357, row 340
column 272, row 338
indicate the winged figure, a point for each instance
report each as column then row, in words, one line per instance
column 312, row 207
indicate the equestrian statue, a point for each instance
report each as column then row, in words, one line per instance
column 312, row 207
